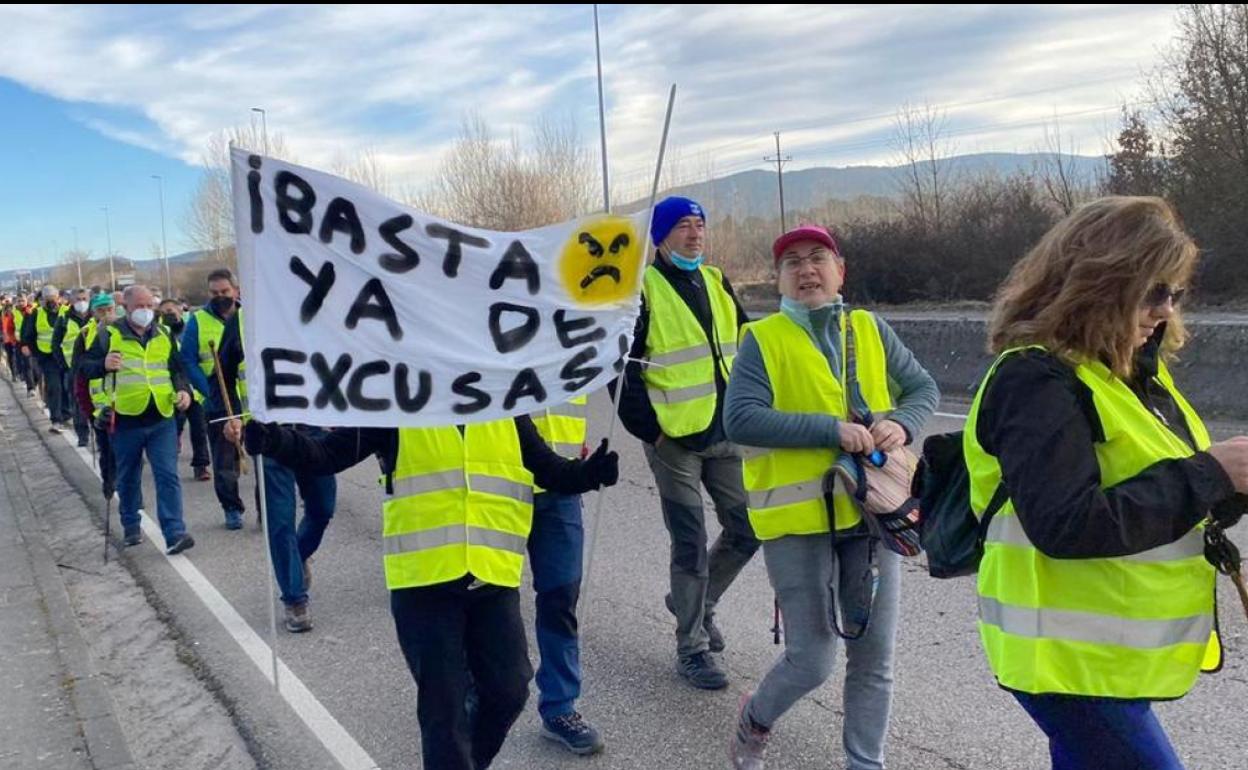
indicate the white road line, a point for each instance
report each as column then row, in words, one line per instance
column 332, row 735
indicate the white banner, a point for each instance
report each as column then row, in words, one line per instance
column 364, row 312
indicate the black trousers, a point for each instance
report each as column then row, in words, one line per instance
column 452, row 635
column 224, row 466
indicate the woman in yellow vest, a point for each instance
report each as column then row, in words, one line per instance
column 790, row 406
column 1094, row 595
column 458, row 511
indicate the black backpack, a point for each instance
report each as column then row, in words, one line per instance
column 949, row 531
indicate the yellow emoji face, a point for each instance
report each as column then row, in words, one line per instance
column 599, row 263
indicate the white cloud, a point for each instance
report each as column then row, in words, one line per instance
column 338, row 79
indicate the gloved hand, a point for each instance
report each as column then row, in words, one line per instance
column 260, row 438
column 602, row 468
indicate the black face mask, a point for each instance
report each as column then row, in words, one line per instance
column 221, row 305
column 172, row 321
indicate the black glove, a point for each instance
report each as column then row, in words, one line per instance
column 260, row 438
column 602, row 468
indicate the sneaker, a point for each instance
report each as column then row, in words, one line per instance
column 233, row 519
column 297, row 618
column 749, row 741
column 701, row 671
column 54, row 428
column 576, row 735
column 307, row 574
column 181, row 544
column 202, row 474
column 133, row 538
column 714, row 635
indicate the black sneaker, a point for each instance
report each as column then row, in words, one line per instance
column 181, row 544
column 576, row 735
column 133, row 538
column 714, row 635
column 701, row 671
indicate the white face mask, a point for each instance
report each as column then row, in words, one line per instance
column 142, row 317
column 80, row 307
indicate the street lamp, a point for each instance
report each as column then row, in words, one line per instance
column 108, row 234
column 264, row 127
column 77, row 257
column 164, row 243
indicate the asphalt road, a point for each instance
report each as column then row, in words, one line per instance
column 947, row 711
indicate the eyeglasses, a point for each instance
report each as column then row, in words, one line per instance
column 793, row 264
column 1162, row 293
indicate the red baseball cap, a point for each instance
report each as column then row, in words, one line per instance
column 804, row 233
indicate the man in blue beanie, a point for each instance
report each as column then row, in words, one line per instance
column 687, row 337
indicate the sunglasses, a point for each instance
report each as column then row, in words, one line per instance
column 1161, row 293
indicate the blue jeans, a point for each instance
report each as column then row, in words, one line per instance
column 289, row 546
column 1100, row 733
column 555, row 553
column 160, row 442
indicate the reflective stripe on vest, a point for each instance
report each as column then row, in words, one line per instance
column 1138, row 626
column 43, row 330
column 784, row 487
column 461, row 503
column 563, row 427
column 679, row 371
column 144, row 373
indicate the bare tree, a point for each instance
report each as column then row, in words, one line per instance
column 923, row 152
column 1064, row 184
column 508, row 186
column 366, row 169
column 209, row 220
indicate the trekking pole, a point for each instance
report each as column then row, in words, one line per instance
column 775, row 628
column 229, row 407
column 108, row 493
column 1224, row 556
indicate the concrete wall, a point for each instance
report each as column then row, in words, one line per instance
column 1212, row 370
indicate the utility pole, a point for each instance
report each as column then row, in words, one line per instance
column 164, row 242
column 108, row 234
column 780, row 160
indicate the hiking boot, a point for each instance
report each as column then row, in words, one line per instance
column 133, row 538
column 748, row 746
column 233, row 519
column 576, row 735
column 202, row 474
column 701, row 671
column 181, row 544
column 297, row 618
column 714, row 635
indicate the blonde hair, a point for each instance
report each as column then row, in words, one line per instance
column 1079, row 290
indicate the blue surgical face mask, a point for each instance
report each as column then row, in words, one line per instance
column 688, row 264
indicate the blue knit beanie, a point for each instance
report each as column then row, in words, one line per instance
column 668, row 212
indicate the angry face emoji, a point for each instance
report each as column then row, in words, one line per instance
column 600, row 262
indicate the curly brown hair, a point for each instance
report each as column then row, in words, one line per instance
column 1079, row 290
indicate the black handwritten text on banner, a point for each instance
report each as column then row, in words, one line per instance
column 364, row 312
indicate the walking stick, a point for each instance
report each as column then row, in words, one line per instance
column 225, row 396
column 108, row 493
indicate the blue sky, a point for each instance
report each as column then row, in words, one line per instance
column 96, row 99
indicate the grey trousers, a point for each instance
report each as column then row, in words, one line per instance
column 801, row 568
column 699, row 579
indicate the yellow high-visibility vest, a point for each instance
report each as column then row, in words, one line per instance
column 461, row 503
column 1138, row 626
column 680, row 371
column 784, row 487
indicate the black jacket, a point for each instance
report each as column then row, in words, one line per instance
column 636, row 412
column 93, row 367
column 1039, row 420
column 342, row 448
